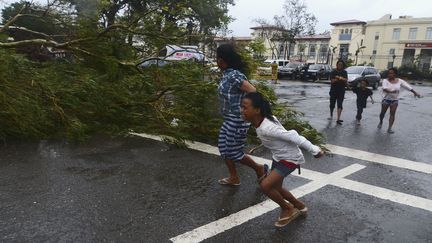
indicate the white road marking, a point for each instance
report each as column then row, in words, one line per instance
column 381, row 159
column 344, row 151
column 233, row 220
column 319, row 180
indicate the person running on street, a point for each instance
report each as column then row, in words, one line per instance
column 391, row 87
column 287, row 156
column 338, row 78
column 233, row 132
column 362, row 93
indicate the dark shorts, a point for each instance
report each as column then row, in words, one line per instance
column 337, row 98
column 281, row 168
column 389, row 102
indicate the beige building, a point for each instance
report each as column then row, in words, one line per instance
column 398, row 41
column 313, row 49
column 346, row 38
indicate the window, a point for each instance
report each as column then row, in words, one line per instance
column 312, row 50
column 350, row 31
column 374, row 52
column 412, row 35
column 376, row 36
column 392, row 51
column 429, row 33
column 396, row 33
column 346, row 31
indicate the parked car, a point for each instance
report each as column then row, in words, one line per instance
column 290, row 70
column 303, row 69
column 356, row 73
column 318, row 71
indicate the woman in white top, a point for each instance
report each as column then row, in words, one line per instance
column 391, row 88
column 287, row 156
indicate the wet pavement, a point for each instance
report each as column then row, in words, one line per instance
column 135, row 189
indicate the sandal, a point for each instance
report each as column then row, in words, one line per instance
column 286, row 220
column 227, row 182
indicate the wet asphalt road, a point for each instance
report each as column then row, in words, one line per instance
column 139, row 190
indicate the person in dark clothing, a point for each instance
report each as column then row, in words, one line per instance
column 362, row 93
column 338, row 78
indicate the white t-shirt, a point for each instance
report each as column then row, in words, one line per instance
column 394, row 87
column 284, row 144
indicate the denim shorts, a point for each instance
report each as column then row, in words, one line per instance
column 281, row 168
column 389, row 102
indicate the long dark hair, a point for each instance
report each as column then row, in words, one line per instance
column 229, row 54
column 258, row 101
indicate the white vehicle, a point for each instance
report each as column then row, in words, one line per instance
column 266, row 70
column 176, row 53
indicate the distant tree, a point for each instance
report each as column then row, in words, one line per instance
column 295, row 21
column 257, row 48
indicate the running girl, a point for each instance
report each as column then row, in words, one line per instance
column 287, row 155
column 391, row 88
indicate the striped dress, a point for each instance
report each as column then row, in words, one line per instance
column 233, row 132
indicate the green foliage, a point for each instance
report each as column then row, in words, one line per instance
column 98, row 89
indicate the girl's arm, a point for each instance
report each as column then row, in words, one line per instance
column 292, row 136
column 405, row 85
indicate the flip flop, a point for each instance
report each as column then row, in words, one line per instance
column 265, row 174
column 226, row 182
column 303, row 211
column 286, row 220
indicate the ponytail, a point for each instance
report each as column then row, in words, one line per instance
column 258, row 101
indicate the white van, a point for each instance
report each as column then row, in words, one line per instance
column 176, row 53
column 280, row 62
column 266, row 70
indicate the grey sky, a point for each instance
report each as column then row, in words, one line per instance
column 326, row 11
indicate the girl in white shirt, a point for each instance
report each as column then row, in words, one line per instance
column 287, row 156
column 391, row 88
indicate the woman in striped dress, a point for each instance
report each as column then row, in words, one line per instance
column 232, row 135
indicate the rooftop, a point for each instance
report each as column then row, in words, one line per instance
column 348, row 22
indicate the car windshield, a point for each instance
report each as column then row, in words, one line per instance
column 315, row 67
column 292, row 65
column 355, row 70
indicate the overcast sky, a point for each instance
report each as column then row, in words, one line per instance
column 326, row 11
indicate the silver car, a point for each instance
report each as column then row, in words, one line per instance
column 357, row 73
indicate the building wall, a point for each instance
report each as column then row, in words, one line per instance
column 354, row 38
column 384, row 28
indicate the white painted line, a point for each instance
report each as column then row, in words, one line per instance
column 382, row 193
column 236, row 219
column 319, row 180
column 344, row 151
column 381, row 159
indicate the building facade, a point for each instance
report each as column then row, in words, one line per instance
column 347, row 38
column 401, row 41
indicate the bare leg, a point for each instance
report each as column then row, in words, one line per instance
column 248, row 161
column 269, row 185
column 384, row 108
column 339, row 112
column 233, row 178
column 393, row 109
column 290, row 197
